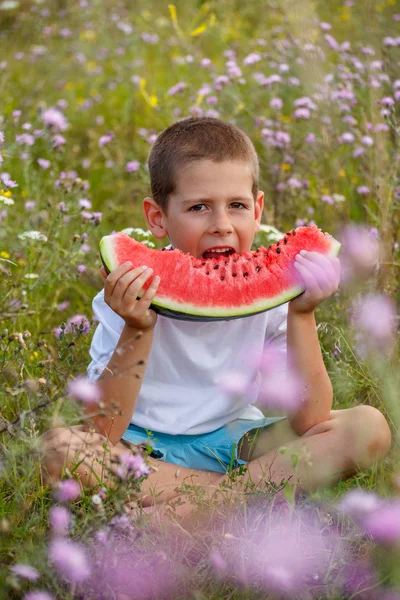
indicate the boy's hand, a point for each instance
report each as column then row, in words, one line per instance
column 321, row 276
column 121, row 289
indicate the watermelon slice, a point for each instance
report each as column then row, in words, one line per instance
column 225, row 287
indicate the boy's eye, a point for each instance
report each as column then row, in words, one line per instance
column 197, row 207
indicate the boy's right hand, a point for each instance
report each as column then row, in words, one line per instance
column 121, row 289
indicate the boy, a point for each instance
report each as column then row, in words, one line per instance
column 161, row 374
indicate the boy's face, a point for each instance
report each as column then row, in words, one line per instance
column 212, row 207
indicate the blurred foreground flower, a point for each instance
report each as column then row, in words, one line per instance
column 38, row 595
column 359, row 253
column 69, row 559
column 67, row 490
column 25, row 572
column 85, row 390
column 60, row 519
column 132, row 465
column 374, row 320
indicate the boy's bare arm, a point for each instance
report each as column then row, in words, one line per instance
column 321, row 276
column 305, row 355
column 120, row 382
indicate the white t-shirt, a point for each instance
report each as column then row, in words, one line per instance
column 181, row 391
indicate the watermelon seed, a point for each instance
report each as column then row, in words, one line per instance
column 234, row 260
column 202, row 264
column 216, row 267
column 258, row 269
column 278, row 243
column 222, row 278
column 278, row 250
column 285, row 240
column 234, row 274
column 245, row 274
column 207, row 273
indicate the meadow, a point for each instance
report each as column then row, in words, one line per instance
column 85, row 87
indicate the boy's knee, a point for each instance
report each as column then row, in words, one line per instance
column 369, row 427
column 53, row 452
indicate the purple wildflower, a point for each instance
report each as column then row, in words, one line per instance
column 310, row 138
column 60, row 520
column 106, row 139
column 276, row 103
column 67, row 490
column 25, row 138
column 81, row 268
column 347, row 138
column 178, row 87
column 25, row 572
column 54, row 118
column 132, row 465
column 132, row 166
column 374, row 319
column 43, row 163
column 383, row 523
column 69, row 559
column 85, row 203
column 38, row 595
column 84, row 390
column 78, row 323
column 302, row 113
column 363, row 190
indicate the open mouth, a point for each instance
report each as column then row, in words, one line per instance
column 218, row 252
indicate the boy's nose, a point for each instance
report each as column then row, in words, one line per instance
column 221, row 225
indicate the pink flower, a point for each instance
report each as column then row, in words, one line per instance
column 360, row 252
column 85, row 203
column 310, row 138
column 302, row 113
column 38, row 595
column 132, row 166
column 70, row 560
column 358, row 503
column 276, row 103
column 54, row 118
column 67, row 490
column 367, row 140
column 106, row 139
column 60, row 520
column 358, row 151
column 132, row 465
column 347, row 138
column 81, row 268
column 25, row 572
column 178, row 87
column 29, row 204
column 43, row 163
column 63, row 305
column 363, row 190
column 85, row 390
column 387, row 101
column 78, row 323
column 383, row 523
column 57, row 140
column 25, row 138
column 374, row 319
column 252, row 59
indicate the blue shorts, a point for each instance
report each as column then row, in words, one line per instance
column 214, row 451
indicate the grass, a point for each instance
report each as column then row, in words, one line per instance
column 109, row 68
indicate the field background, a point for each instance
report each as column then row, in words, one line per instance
column 118, row 73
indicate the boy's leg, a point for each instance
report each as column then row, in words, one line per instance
column 91, row 458
column 351, row 439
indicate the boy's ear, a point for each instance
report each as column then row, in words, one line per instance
column 155, row 218
column 258, row 209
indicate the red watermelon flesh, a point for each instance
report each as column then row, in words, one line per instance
column 223, row 287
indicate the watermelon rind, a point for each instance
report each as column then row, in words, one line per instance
column 188, row 312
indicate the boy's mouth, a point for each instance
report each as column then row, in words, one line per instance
column 218, row 251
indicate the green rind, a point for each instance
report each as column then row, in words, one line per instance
column 189, row 312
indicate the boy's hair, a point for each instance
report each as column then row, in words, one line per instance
column 193, row 139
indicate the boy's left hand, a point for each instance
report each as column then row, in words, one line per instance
column 320, row 274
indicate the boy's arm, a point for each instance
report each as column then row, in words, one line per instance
column 305, row 355
column 120, row 383
column 321, row 276
column 121, row 380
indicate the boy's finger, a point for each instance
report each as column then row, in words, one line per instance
column 103, row 271
column 150, row 293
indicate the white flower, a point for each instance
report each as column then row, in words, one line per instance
column 31, row 276
column 6, row 200
column 33, row 235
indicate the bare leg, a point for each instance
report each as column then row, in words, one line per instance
column 350, row 440
column 328, row 452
